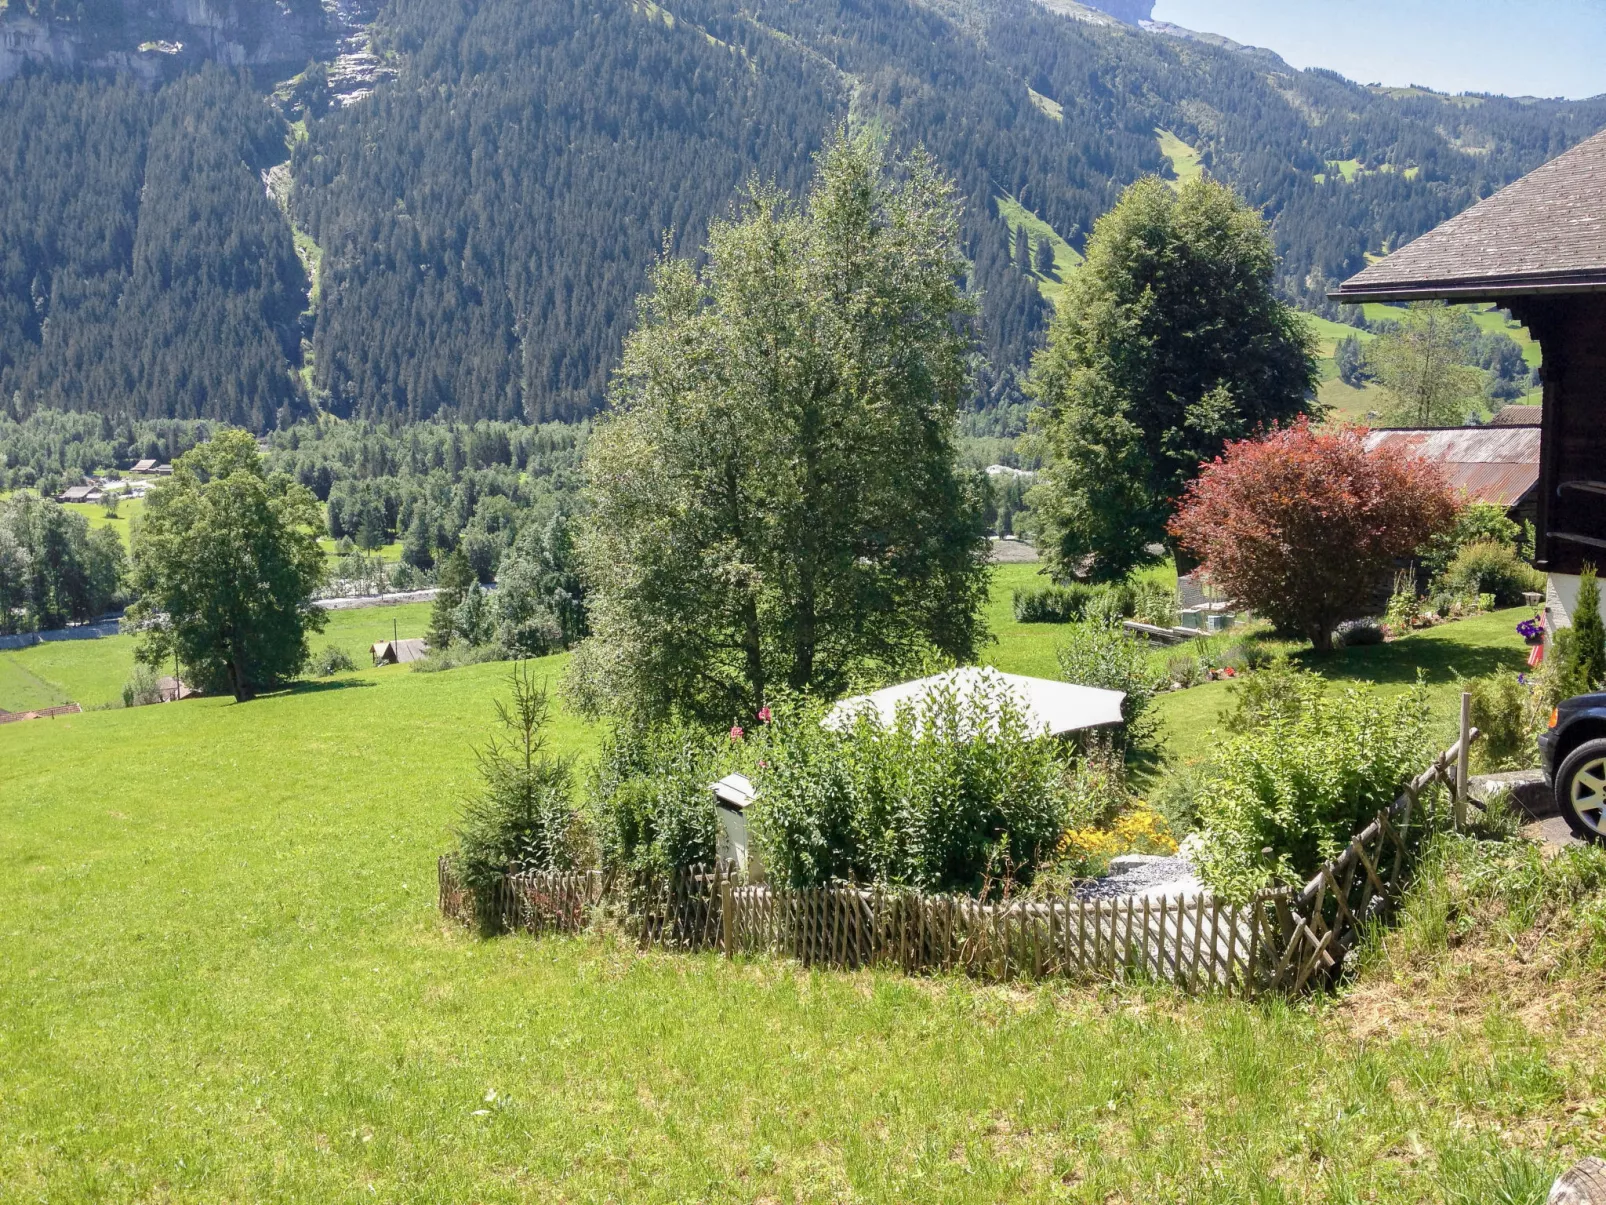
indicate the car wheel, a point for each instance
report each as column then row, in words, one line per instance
column 1581, row 790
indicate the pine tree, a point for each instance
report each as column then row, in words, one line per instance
column 455, row 580
column 1023, row 250
column 415, row 548
column 1045, row 258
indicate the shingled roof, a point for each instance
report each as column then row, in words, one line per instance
column 1544, row 234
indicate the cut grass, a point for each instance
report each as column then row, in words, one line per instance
column 92, row 672
column 1444, row 655
column 223, row 977
column 128, row 512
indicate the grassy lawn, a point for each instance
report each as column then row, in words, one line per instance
column 1184, row 159
column 128, row 510
column 1467, row 648
column 222, row 977
column 92, row 672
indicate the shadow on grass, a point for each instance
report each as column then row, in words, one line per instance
column 1442, row 654
column 313, row 688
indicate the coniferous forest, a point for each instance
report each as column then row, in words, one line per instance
column 474, row 233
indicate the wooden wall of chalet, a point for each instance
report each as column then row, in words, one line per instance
column 1571, row 331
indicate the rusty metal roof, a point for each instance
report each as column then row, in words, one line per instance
column 1492, row 464
column 1517, row 416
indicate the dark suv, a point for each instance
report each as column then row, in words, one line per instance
column 1573, row 753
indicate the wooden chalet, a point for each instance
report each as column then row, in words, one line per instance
column 1538, row 249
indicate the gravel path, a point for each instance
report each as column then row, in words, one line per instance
column 1168, row 877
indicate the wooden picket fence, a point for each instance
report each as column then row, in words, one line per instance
column 1276, row 942
column 1363, row 884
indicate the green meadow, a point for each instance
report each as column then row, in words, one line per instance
column 223, row 978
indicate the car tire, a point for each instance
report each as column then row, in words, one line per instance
column 1581, row 791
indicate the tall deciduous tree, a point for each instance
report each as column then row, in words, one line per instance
column 1169, row 341
column 53, row 569
column 775, row 498
column 1301, row 525
column 1422, row 364
column 226, row 559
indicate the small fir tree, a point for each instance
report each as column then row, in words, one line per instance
column 1044, row 256
column 455, row 580
column 1588, row 651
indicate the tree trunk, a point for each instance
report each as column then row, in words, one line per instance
column 1582, row 1184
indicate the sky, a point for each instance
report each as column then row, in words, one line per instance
column 1516, row 47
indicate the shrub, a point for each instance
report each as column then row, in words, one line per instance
column 651, row 796
column 331, row 661
column 1359, row 633
column 523, row 816
column 1405, row 604
column 1586, row 664
column 141, row 687
column 1280, row 691
column 956, row 794
column 1299, row 525
column 404, row 577
column 1177, row 797
column 1112, row 603
column 1444, row 604
column 1487, row 567
column 1053, row 604
column 1476, row 522
column 1300, row 785
column 1154, row 603
column 1185, row 670
column 1500, row 706
column 458, row 655
column 1102, row 654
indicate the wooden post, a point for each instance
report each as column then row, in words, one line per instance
column 1461, row 761
column 727, row 918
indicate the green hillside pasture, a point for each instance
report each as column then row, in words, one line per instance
column 223, row 977
column 1184, row 159
column 92, row 673
column 1066, row 258
column 128, row 512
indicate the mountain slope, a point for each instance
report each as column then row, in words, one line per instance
column 485, row 220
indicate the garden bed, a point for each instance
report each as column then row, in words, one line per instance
column 1278, row 941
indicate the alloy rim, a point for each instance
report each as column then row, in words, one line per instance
column 1589, row 794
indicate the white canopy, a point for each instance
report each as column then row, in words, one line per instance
column 1051, row 707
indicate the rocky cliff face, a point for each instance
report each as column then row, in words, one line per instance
column 1130, row 11
column 151, row 38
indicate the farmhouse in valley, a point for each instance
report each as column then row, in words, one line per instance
column 399, row 652
column 1538, row 248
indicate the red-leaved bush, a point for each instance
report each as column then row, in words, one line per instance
column 1301, row 525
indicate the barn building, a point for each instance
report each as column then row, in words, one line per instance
column 1537, row 248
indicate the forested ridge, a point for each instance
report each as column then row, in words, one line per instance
column 486, row 220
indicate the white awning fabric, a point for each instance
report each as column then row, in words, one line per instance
column 1051, row 707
